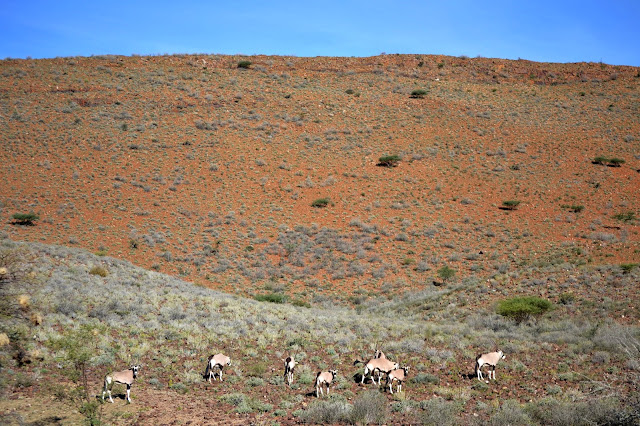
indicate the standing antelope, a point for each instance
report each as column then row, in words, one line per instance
column 289, row 365
column 490, row 359
column 125, row 377
column 381, row 365
column 324, row 378
column 399, row 375
column 219, row 361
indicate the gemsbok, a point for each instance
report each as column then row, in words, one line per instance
column 490, row 359
column 214, row 361
column 289, row 366
column 324, row 378
column 399, row 375
column 125, row 377
column 380, row 365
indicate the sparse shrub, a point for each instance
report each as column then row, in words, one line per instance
column 370, row 407
column 326, row 412
column 510, row 204
column 321, row 202
column 419, row 93
column 625, row 216
column 567, row 298
column 628, row 267
column 424, row 378
column 446, row 273
column 25, row 219
column 573, row 207
column 438, row 412
column 99, row 270
column 389, row 161
column 244, row 64
column 271, row 297
column 522, row 308
column 510, row 413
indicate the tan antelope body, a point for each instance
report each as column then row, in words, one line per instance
column 126, row 377
column 289, row 366
column 218, row 360
column 380, row 365
column 399, row 375
column 324, row 378
column 490, row 359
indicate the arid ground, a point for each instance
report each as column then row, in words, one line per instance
column 259, row 177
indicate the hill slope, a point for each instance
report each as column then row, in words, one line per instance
column 207, row 167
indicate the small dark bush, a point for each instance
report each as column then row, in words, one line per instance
column 244, row 64
column 389, row 161
column 625, row 217
column 272, row 297
column 99, row 270
column 26, row 219
column 419, row 93
column 573, row 207
column 521, row 308
column 321, row 202
column 510, row 204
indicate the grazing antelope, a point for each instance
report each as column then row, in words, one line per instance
column 399, row 375
column 490, row 359
column 125, row 377
column 214, row 361
column 381, row 365
column 289, row 365
column 324, row 378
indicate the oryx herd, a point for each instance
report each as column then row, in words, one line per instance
column 376, row 366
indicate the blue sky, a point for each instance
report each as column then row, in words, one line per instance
column 546, row 31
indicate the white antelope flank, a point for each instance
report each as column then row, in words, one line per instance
column 399, row 375
column 125, row 377
column 324, row 378
column 218, row 361
column 490, row 359
column 289, row 366
column 380, row 365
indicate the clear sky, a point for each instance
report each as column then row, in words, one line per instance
column 538, row 30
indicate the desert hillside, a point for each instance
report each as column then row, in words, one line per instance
column 263, row 175
column 68, row 317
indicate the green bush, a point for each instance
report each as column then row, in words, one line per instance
column 271, row 297
column 446, row 272
column 510, row 204
column 389, row 161
column 625, row 217
column 25, row 218
column 321, row 202
column 370, row 407
column 576, row 208
column 244, row 64
column 419, row 93
column 521, row 308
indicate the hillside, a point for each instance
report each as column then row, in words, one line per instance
column 207, row 167
column 68, row 314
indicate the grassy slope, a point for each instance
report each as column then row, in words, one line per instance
column 574, row 354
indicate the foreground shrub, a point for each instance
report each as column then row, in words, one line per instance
column 371, row 407
column 597, row 412
column 326, row 412
column 438, row 411
column 522, row 308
